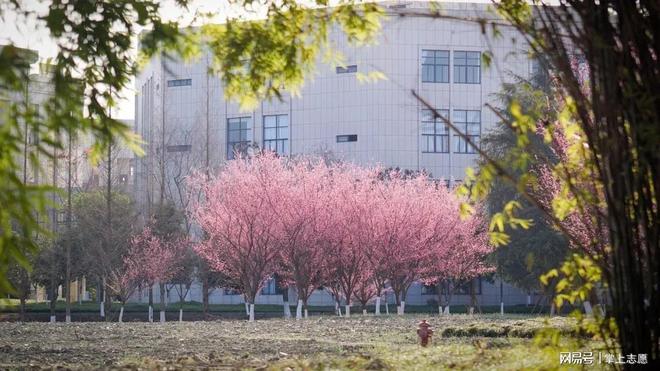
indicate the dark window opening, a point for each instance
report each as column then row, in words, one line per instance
column 348, row 69
column 179, row 148
column 179, row 82
column 347, row 138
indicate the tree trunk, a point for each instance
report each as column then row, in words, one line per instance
column 348, row 310
column 80, row 294
column 121, row 313
column 205, row 296
column 377, row 311
column 251, row 319
column 162, row 301
column 21, row 316
column 151, row 302
column 180, row 314
column 101, row 297
column 299, row 309
column 108, row 304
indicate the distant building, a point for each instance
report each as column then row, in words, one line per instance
column 53, row 170
column 181, row 109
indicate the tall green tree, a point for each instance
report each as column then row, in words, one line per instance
column 604, row 57
column 259, row 59
column 531, row 252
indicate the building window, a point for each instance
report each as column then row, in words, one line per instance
column 179, row 82
column 467, row 67
column 270, row 287
column 435, row 66
column 429, row 289
column 465, row 288
column 435, row 134
column 346, row 138
column 229, row 291
column 348, row 69
column 179, row 148
column 468, row 123
column 239, row 136
column 276, row 133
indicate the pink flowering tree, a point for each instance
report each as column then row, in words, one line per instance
column 298, row 202
column 153, row 259
column 122, row 282
column 459, row 255
column 235, row 215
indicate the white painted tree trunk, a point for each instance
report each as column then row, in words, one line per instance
column 121, row 314
column 387, row 307
column 440, row 309
column 287, row 310
column 501, row 309
column 337, row 309
column 306, row 313
column 53, row 319
column 348, row 310
column 102, row 309
column 364, row 312
column 529, row 300
column 401, row 309
column 67, row 318
column 151, row 313
column 299, row 309
column 247, row 309
column 447, row 309
column 180, row 315
column 378, row 305
column 162, row 316
column 251, row 312
column 588, row 310
column 471, row 311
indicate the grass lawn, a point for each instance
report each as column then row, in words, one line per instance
column 320, row 342
column 12, row 306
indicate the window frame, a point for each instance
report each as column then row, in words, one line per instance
column 352, row 68
column 463, row 64
column 434, row 66
column 248, row 129
column 277, row 140
column 175, row 83
column 460, row 145
column 346, row 138
column 436, row 135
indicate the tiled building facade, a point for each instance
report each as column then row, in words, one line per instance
column 181, row 108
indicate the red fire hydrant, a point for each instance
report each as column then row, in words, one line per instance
column 424, row 332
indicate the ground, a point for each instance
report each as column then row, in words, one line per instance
column 320, row 342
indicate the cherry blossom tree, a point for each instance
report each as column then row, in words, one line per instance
column 234, row 214
column 155, row 260
column 460, row 255
column 299, row 204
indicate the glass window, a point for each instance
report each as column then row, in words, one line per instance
column 435, row 66
column 347, row 138
column 429, row 289
column 468, row 123
column 276, row 133
column 435, row 134
column 179, row 82
column 348, row 69
column 270, row 287
column 467, row 67
column 239, row 136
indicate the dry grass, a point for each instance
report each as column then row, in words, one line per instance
column 386, row 342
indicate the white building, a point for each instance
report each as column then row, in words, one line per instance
column 366, row 123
